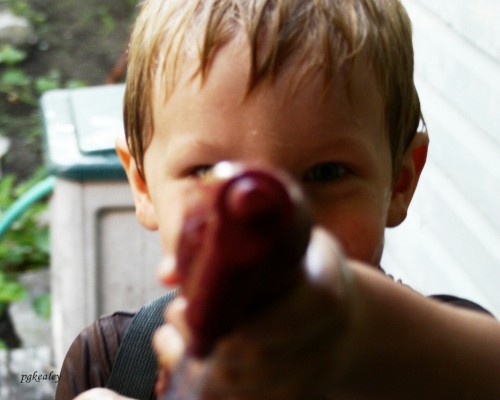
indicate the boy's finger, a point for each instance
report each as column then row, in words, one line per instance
column 167, row 271
column 100, row 394
column 326, row 264
column 176, row 316
column 169, row 346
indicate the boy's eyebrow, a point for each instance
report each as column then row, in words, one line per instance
column 184, row 145
column 346, row 142
column 189, row 145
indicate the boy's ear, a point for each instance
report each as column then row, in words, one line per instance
column 412, row 164
column 144, row 209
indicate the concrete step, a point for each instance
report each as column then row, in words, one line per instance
column 27, row 373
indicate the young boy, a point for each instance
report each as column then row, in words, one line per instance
column 322, row 89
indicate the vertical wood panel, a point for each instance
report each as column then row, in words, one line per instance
column 450, row 242
column 474, row 21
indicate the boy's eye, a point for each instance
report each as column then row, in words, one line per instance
column 325, row 172
column 200, row 171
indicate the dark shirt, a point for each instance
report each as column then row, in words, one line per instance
column 90, row 357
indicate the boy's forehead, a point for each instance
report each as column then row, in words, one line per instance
column 304, row 89
column 271, row 50
column 295, row 78
column 297, row 70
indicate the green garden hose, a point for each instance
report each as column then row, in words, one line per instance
column 37, row 192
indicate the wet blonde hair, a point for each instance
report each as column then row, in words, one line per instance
column 329, row 34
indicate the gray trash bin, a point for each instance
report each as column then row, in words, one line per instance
column 102, row 260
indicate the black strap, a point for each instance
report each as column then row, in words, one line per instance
column 134, row 369
column 460, row 302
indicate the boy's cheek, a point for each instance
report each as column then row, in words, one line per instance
column 169, row 215
column 170, row 208
column 362, row 238
column 169, row 229
column 367, row 250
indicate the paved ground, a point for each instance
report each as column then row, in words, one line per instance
column 27, row 373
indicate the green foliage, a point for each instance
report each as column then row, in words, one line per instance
column 107, row 20
column 16, row 86
column 48, row 82
column 20, row 87
column 14, row 82
column 24, row 8
column 3, row 345
column 53, row 80
column 42, row 305
column 10, row 289
column 14, row 77
column 10, row 55
column 26, row 245
column 75, row 83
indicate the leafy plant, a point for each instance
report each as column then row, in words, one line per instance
column 14, row 82
column 9, row 55
column 10, row 290
column 42, row 305
column 24, row 8
column 26, row 245
column 107, row 20
column 53, row 80
column 20, row 87
column 49, row 82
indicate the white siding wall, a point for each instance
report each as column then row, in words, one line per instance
column 450, row 242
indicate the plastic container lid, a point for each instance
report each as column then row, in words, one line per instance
column 81, row 126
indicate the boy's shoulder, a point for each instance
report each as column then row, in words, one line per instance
column 89, row 360
column 111, row 351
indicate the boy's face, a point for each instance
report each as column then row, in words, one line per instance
column 334, row 145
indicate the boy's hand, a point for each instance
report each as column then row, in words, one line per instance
column 101, row 394
column 262, row 297
column 287, row 352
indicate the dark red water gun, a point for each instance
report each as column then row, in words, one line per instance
column 240, row 249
